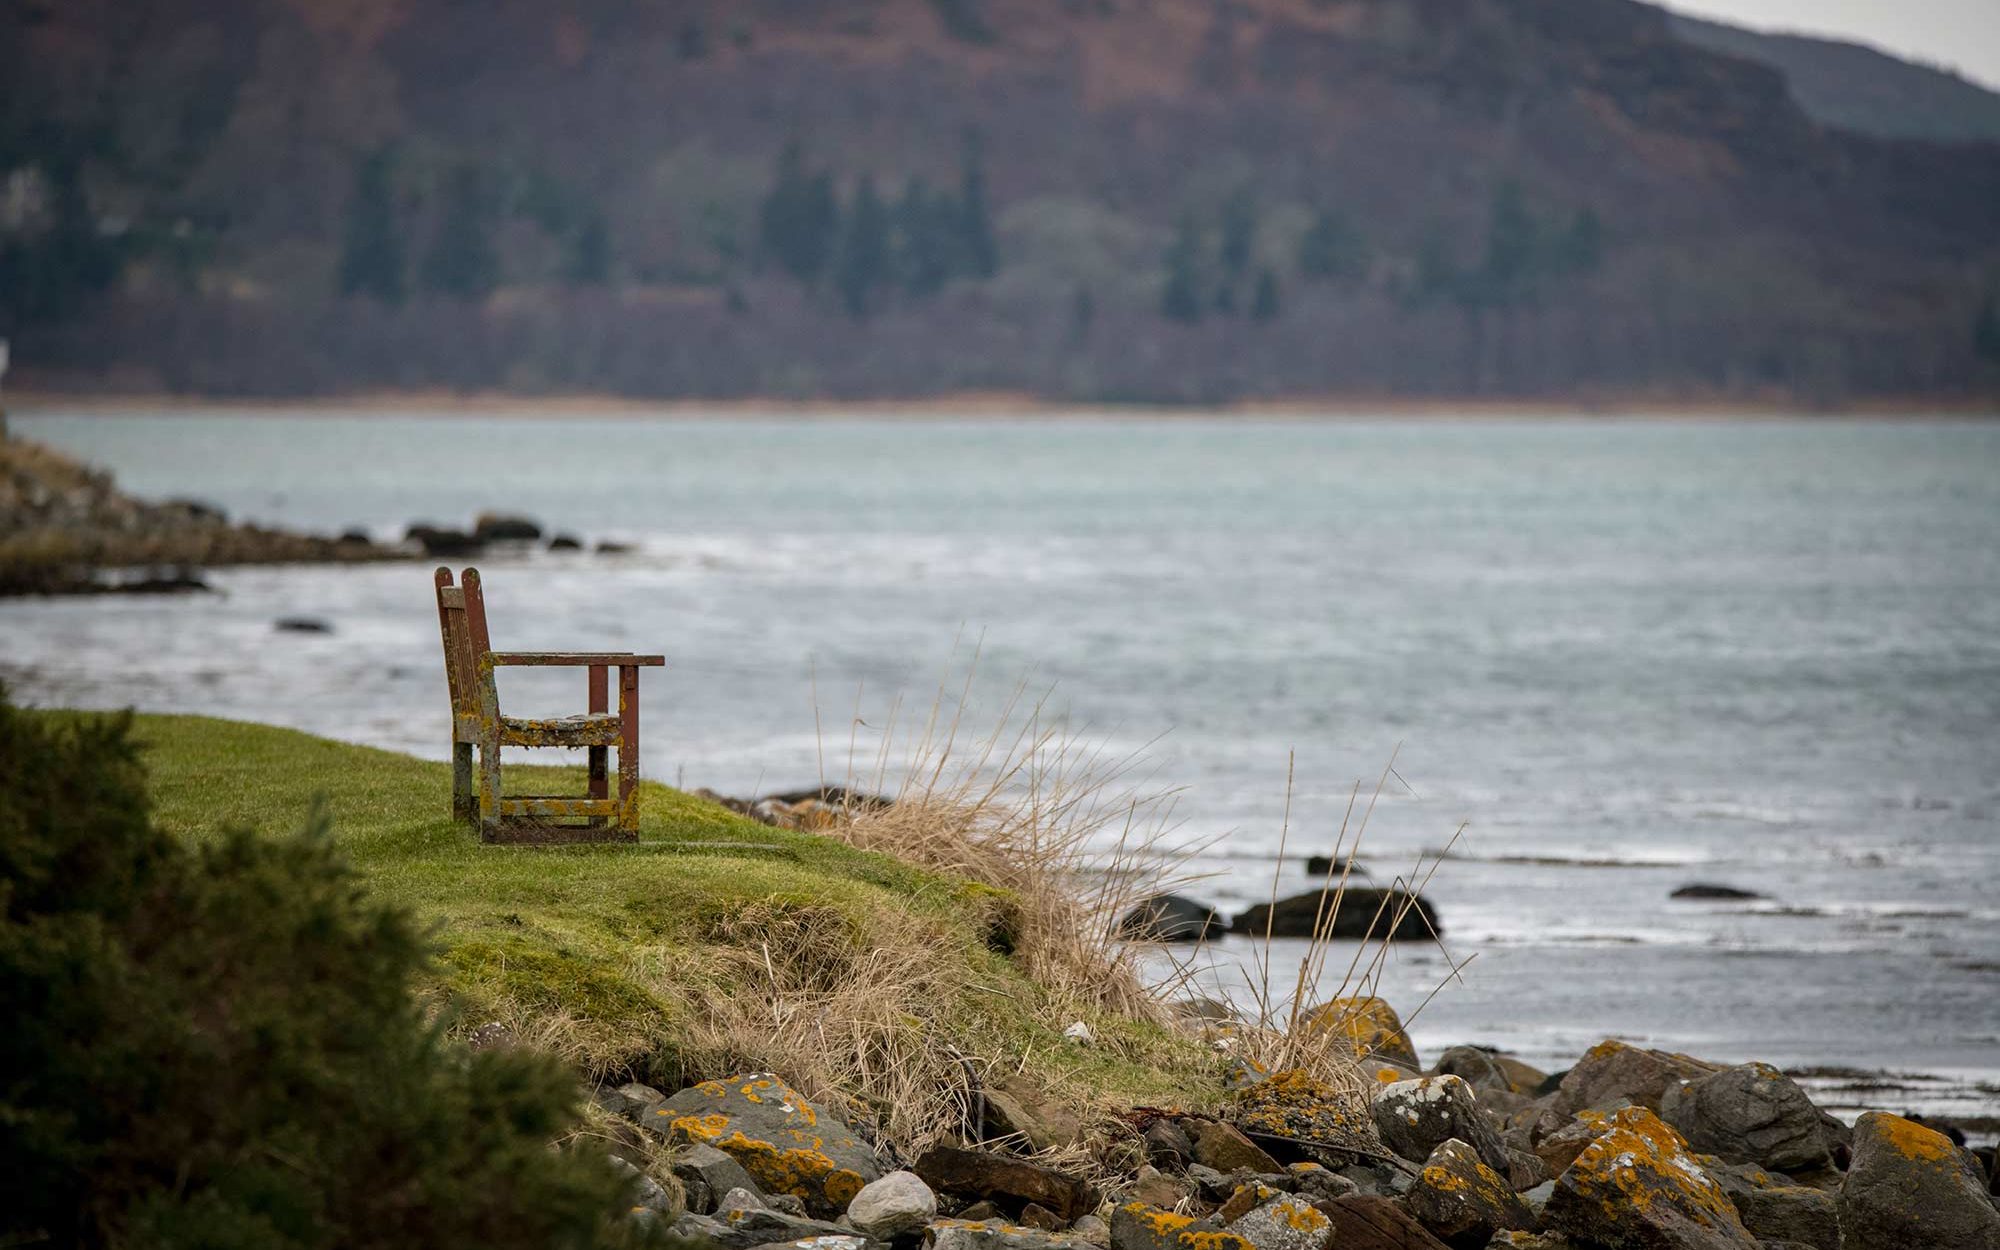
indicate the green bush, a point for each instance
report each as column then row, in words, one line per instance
column 218, row 1046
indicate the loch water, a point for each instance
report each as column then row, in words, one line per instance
column 1609, row 656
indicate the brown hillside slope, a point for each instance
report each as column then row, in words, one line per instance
column 1743, row 249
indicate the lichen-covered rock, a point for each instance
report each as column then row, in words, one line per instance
column 1136, row 1226
column 1462, row 1201
column 1225, row 1148
column 786, row 1144
column 1910, row 1186
column 962, row 1234
column 743, row 1228
column 1775, row 1209
column 1293, row 1104
column 1638, row 1187
column 1751, row 1113
column 1413, row 1118
column 1369, row 1026
column 984, row 1174
column 893, row 1206
column 1283, row 1223
column 1490, row 1070
column 1613, row 1071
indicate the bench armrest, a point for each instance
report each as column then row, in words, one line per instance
column 576, row 659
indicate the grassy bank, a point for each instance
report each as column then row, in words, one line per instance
column 714, row 944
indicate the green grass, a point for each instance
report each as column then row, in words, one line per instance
column 628, row 951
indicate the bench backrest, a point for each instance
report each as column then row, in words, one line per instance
column 462, row 619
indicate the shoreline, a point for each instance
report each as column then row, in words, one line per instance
column 989, row 404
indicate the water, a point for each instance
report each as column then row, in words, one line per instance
column 1624, row 655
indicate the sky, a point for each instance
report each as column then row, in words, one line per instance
column 1959, row 34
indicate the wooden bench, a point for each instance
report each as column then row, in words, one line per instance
column 476, row 722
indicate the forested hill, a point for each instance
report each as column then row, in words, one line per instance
column 1180, row 200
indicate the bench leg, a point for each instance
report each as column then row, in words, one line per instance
column 464, row 801
column 599, row 756
column 489, row 789
column 628, row 751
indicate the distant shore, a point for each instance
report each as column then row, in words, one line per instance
column 986, row 404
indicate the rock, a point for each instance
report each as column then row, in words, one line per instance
column 1283, row 1223
column 1637, row 1185
column 1774, row 1209
column 1167, row 1146
column 1909, row 1186
column 707, row 1174
column 1080, row 1033
column 1751, row 1113
column 302, row 625
column 1240, row 1073
column 492, row 1035
column 1013, row 1106
column 1225, row 1148
column 1202, row 1007
column 1530, row 1241
column 437, row 541
column 961, row 1234
column 1365, row 1223
column 649, row 1194
column 979, row 1212
column 496, row 527
column 1370, row 1027
column 1364, row 913
column 1156, row 1189
column 1171, row 918
column 1612, row 1071
column 1321, row 1184
column 848, row 1241
column 1136, row 1226
column 631, row 1101
column 605, row 547
column 1035, row 1215
column 1490, row 1070
column 786, row 1144
column 356, row 537
column 1211, row 1185
column 1293, row 1104
column 1092, row 1230
column 565, row 542
column 1559, row 1149
column 1463, row 1202
column 742, row 1228
column 1247, row 1197
column 1723, row 893
column 983, row 1174
column 1415, row 1117
column 895, row 1205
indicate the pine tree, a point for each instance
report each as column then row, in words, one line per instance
column 371, row 252
column 864, row 260
column 799, row 221
column 981, row 253
column 1180, row 299
column 462, row 262
column 1264, row 305
column 1331, row 251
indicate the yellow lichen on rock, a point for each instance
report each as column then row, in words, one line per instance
column 1369, row 1025
column 1639, row 1174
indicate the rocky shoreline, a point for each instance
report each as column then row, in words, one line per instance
column 1629, row 1148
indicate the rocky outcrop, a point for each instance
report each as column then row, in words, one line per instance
column 1171, row 918
column 1361, row 913
column 1908, row 1185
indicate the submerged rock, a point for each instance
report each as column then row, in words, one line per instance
column 1910, row 1186
column 786, row 1144
column 1720, row 893
column 494, row 527
column 1364, row 912
column 1171, row 918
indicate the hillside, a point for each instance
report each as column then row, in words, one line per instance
column 1102, row 199
column 1858, row 88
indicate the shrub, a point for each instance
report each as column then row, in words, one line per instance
column 217, row 1046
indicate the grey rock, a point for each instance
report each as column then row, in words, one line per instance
column 893, row 1206
column 1167, row 1146
column 784, row 1142
column 631, row 1100
column 743, row 1229
column 1614, row 1072
column 1212, row 1185
column 1910, row 1186
column 648, row 1194
column 502, row 527
column 1538, row 1197
column 1413, row 1118
column 707, row 1174
column 1092, row 1230
column 1286, row 1223
column 1751, row 1113
column 837, row 1241
column 1321, row 1184
column 997, row 1235
column 1365, row 913
column 1225, row 1148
